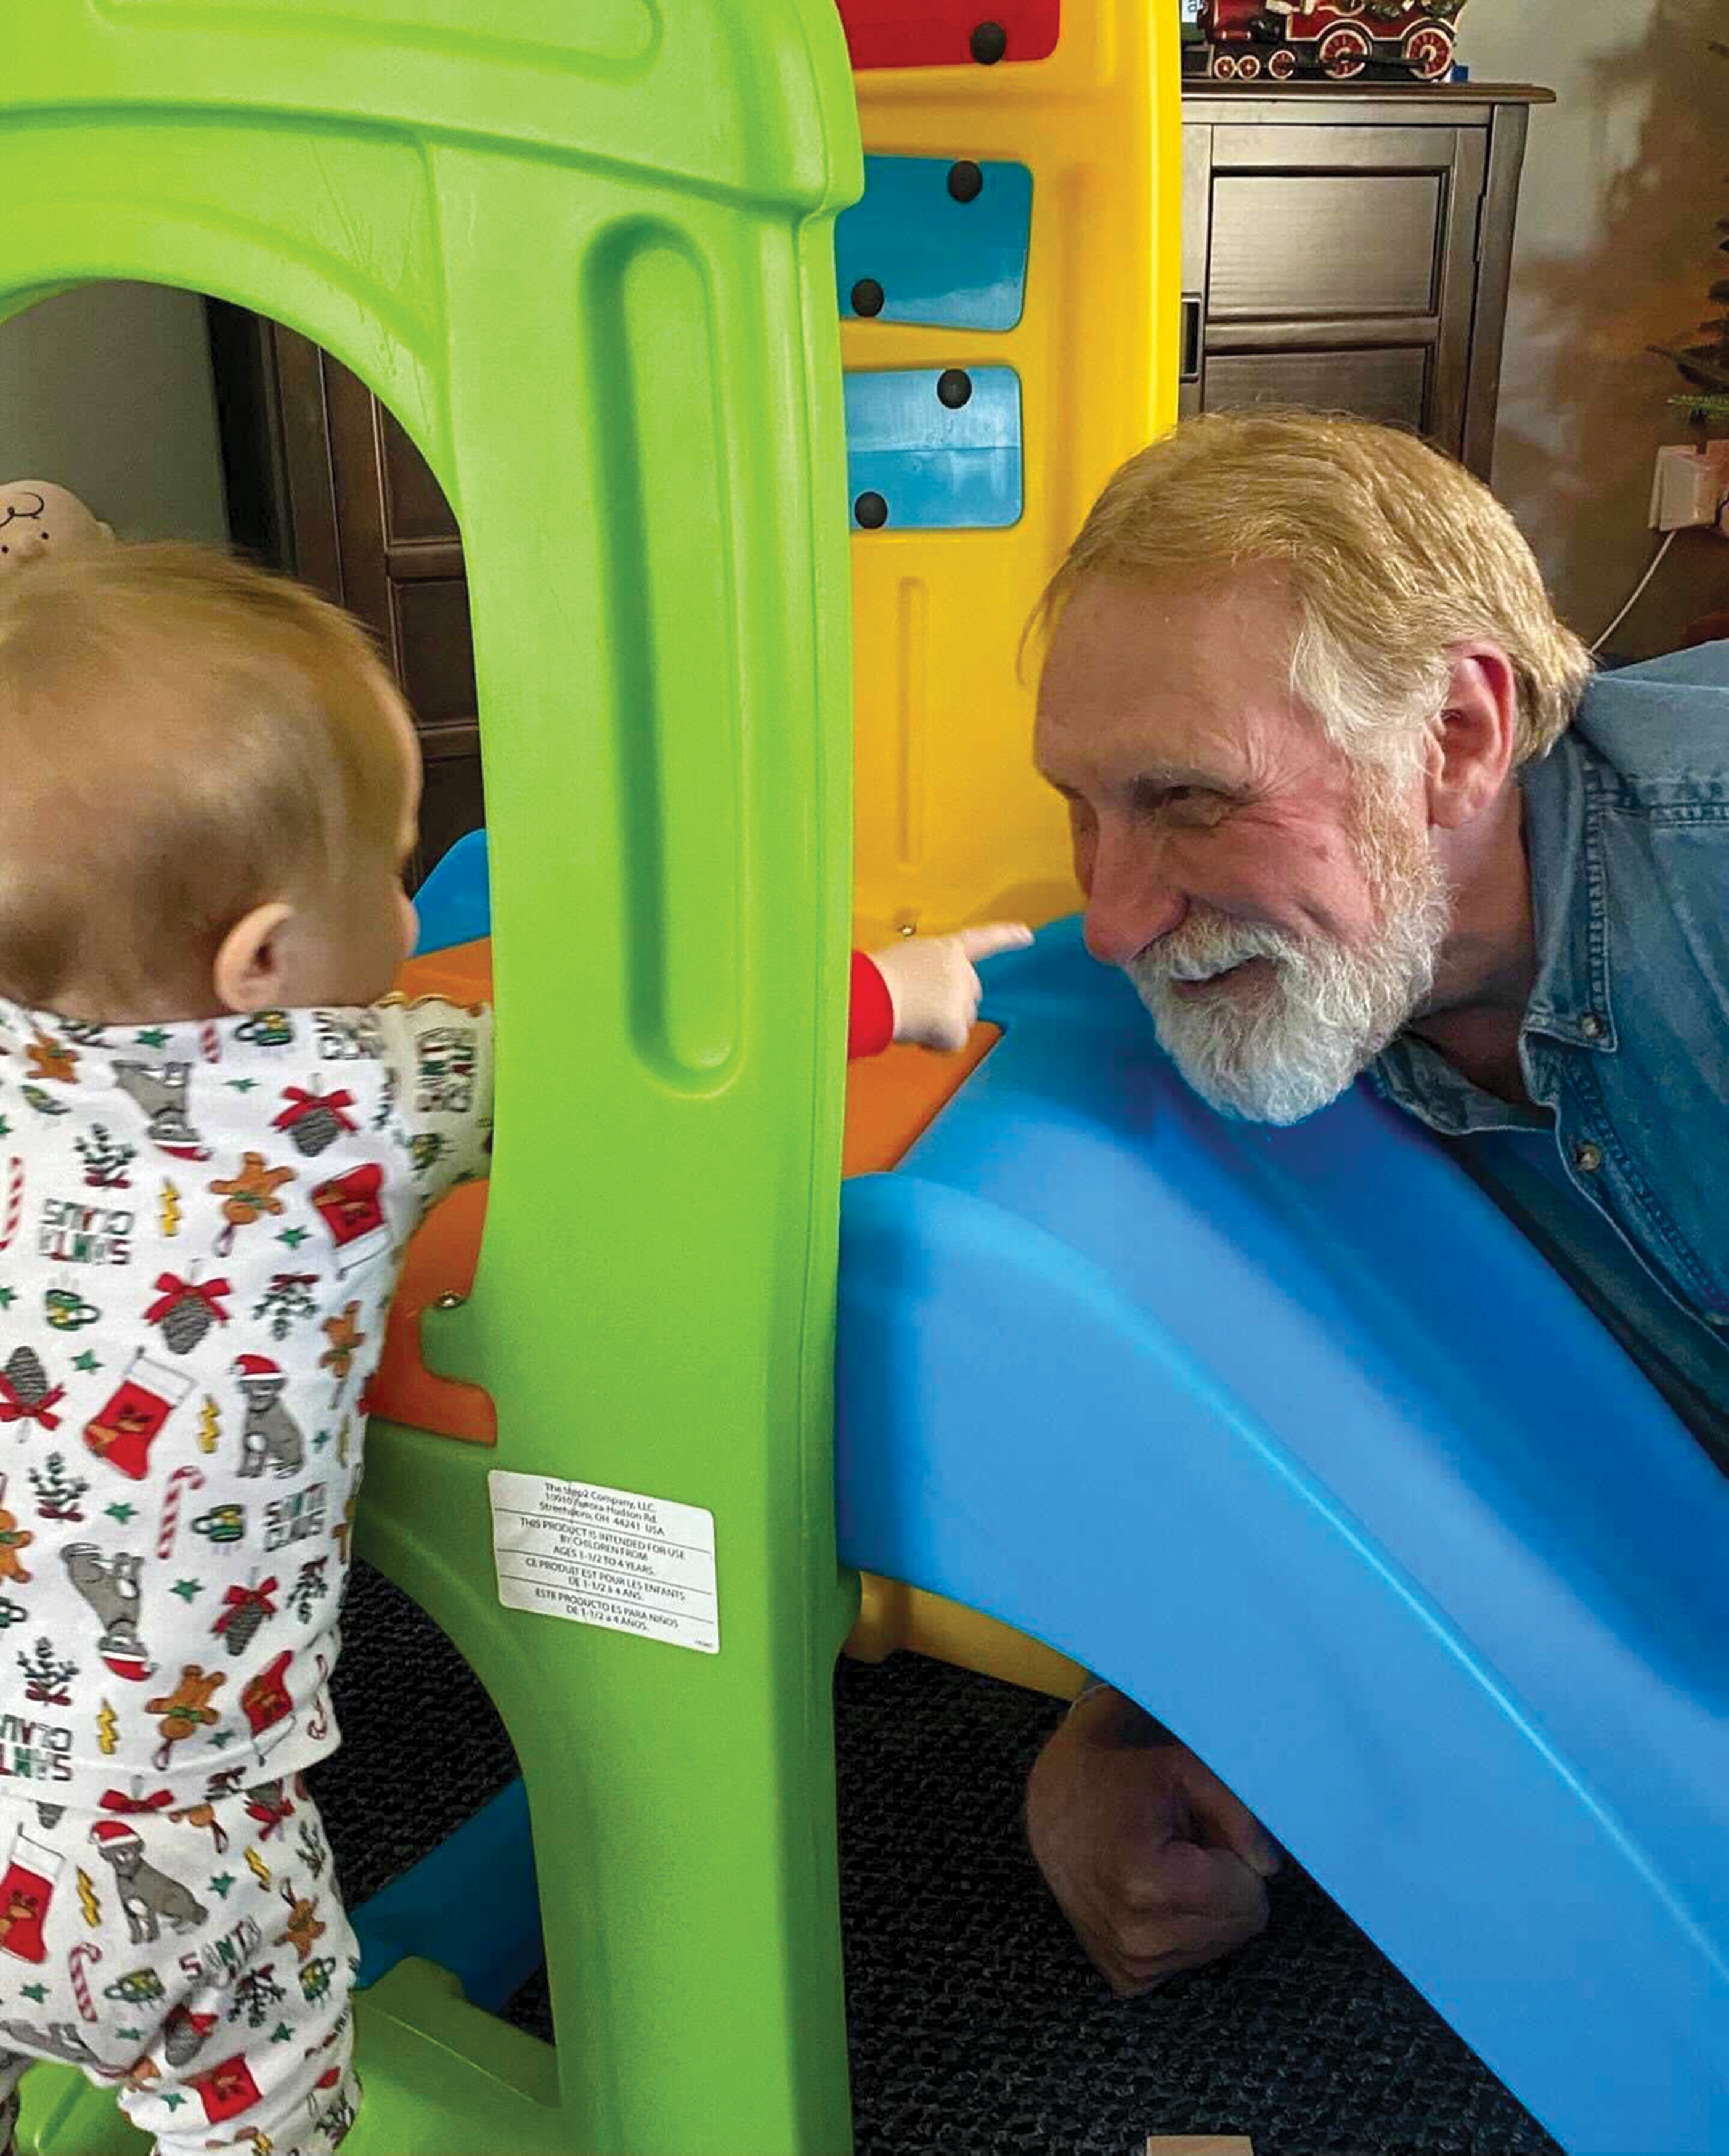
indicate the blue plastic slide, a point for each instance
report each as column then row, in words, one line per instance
column 1293, row 1437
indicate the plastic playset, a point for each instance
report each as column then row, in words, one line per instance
column 1285, row 1432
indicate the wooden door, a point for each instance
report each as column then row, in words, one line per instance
column 324, row 484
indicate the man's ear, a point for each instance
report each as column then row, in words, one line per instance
column 247, row 975
column 1471, row 750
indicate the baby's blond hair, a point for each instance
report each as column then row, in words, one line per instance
column 182, row 738
column 1392, row 555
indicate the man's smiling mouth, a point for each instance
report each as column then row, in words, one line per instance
column 1190, row 984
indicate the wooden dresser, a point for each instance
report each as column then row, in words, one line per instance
column 1347, row 247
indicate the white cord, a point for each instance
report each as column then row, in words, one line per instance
column 1656, row 563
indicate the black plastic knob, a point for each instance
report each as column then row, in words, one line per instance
column 867, row 296
column 954, row 387
column 871, row 510
column 988, row 43
column 966, row 182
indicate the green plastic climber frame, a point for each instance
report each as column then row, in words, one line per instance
column 583, row 252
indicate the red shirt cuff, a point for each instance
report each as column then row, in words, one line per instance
column 871, row 1009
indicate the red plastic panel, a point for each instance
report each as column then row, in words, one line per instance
column 883, row 33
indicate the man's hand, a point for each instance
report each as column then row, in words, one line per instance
column 931, row 983
column 1149, row 1856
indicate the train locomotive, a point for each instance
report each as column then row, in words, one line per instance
column 1278, row 40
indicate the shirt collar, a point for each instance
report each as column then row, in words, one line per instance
column 1420, row 1080
column 1570, row 999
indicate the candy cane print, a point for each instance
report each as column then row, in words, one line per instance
column 181, row 1480
column 210, row 1042
column 14, row 1201
column 318, row 1727
column 85, row 1952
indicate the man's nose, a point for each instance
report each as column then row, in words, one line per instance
column 1132, row 899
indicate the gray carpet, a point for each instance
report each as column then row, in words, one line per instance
column 977, row 2027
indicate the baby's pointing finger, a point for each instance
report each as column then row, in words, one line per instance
column 984, row 943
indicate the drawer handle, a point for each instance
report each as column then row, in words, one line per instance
column 1190, row 361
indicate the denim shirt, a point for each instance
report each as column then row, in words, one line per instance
column 1625, row 1039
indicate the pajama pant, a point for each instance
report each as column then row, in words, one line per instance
column 198, row 1959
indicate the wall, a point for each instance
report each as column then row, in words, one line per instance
column 107, row 390
column 1623, row 179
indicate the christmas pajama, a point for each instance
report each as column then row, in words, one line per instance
column 197, row 1958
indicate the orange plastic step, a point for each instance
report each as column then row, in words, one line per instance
column 890, row 1099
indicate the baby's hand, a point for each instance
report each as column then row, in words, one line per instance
column 932, row 984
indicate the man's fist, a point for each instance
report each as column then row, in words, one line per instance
column 1152, row 1859
column 932, row 985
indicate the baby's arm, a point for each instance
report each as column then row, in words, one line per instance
column 932, row 986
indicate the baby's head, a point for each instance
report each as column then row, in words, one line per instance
column 208, row 788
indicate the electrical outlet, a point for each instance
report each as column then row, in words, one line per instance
column 1690, row 487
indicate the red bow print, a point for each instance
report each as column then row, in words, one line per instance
column 243, row 1597
column 301, row 1103
column 14, row 1410
column 171, row 1288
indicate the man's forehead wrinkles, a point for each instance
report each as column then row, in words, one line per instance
column 1120, row 756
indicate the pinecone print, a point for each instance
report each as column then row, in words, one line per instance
column 245, row 1610
column 26, row 1376
column 243, row 1628
column 315, row 1129
column 186, row 1324
column 187, row 1309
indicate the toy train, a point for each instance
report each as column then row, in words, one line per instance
column 1242, row 40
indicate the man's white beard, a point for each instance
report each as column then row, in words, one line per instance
column 1280, row 1045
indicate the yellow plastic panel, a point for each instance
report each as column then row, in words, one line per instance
column 892, row 1615
column 952, row 825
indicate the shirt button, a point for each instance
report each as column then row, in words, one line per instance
column 1591, row 1025
column 1587, row 1157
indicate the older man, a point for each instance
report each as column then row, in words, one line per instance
column 1342, row 802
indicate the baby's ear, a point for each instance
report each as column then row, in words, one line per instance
column 247, row 975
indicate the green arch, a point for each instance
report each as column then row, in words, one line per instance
column 584, row 254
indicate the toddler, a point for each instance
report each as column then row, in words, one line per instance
column 216, row 1133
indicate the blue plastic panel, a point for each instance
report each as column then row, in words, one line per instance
column 1293, row 1437
column 921, row 246
column 931, row 466
column 487, row 1865
column 454, row 904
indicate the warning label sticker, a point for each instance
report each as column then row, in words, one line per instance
column 610, row 1557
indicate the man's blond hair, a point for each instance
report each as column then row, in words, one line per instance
column 182, row 738
column 1392, row 554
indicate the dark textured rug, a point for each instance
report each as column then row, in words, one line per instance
column 977, row 2028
